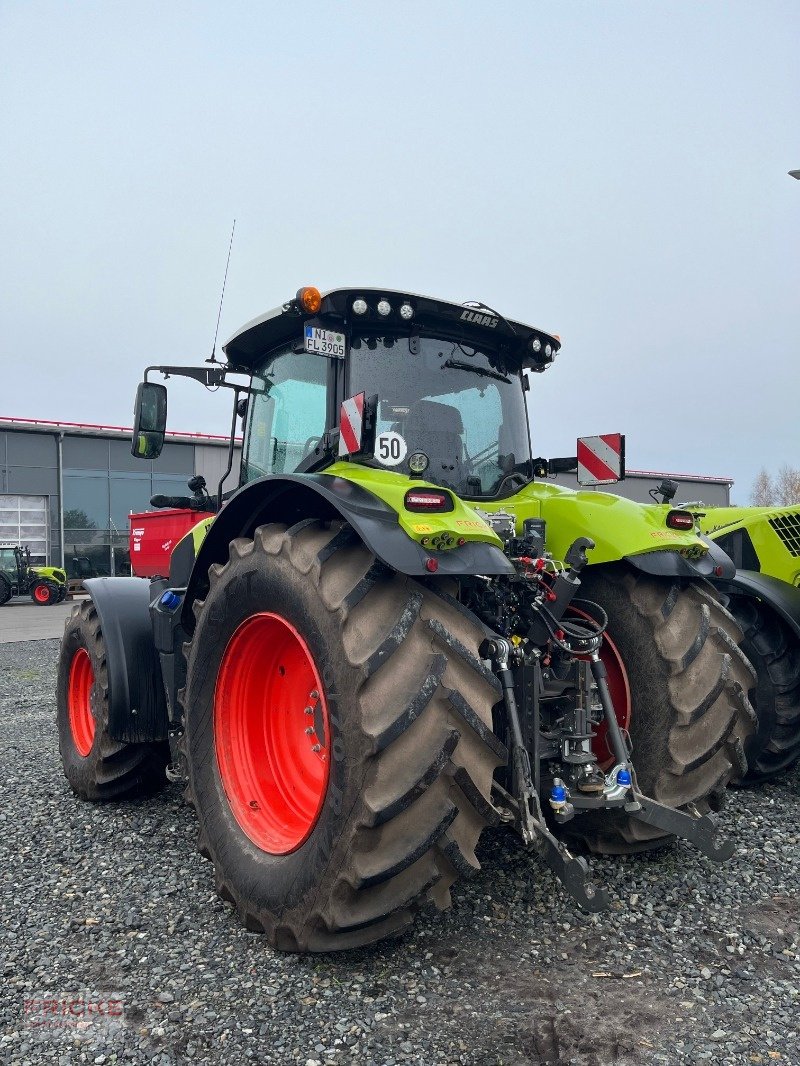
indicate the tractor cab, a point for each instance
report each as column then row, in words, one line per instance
column 448, row 413
column 425, row 388
column 422, row 387
column 12, row 562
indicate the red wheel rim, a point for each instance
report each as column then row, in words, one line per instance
column 271, row 733
column 41, row 594
column 620, row 691
column 79, row 700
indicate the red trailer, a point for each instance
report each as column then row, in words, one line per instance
column 154, row 534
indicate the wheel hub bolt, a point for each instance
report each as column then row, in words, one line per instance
column 317, row 747
column 309, row 710
column 309, row 729
column 314, row 695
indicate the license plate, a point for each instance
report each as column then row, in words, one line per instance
column 324, row 342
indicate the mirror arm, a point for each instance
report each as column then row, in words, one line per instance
column 212, row 377
column 236, row 390
column 563, row 465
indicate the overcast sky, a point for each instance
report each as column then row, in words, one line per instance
column 614, row 172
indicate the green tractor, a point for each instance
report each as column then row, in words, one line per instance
column 45, row 585
column 764, row 597
column 392, row 635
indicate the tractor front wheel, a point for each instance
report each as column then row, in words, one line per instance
column 45, row 593
column 5, row 590
column 96, row 766
column 774, row 651
column 338, row 739
column 690, row 716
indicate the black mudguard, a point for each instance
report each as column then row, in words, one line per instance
column 783, row 598
column 291, row 498
column 137, row 709
column 712, row 565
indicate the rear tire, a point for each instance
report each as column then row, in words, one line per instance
column 774, row 651
column 96, row 766
column 691, row 716
column 410, row 745
column 5, row 590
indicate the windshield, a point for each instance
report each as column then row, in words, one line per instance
column 457, row 409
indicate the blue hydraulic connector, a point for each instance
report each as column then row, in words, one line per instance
column 558, row 795
column 170, row 600
column 624, row 777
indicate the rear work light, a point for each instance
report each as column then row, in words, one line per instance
column 423, row 500
column 680, row 520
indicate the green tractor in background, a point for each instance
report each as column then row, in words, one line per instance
column 764, row 597
column 392, row 635
column 45, row 585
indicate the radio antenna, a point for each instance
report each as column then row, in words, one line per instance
column 213, row 358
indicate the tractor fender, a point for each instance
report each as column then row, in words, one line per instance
column 784, row 599
column 292, row 498
column 714, row 564
column 137, row 707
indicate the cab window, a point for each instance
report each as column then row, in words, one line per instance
column 286, row 413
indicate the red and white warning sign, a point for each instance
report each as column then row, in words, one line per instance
column 351, row 424
column 601, row 460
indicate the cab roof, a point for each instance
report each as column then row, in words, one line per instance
column 471, row 323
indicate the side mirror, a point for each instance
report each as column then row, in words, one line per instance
column 601, row 460
column 149, row 420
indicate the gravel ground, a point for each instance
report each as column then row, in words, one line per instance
column 113, row 906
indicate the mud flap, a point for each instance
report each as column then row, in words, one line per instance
column 137, row 708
